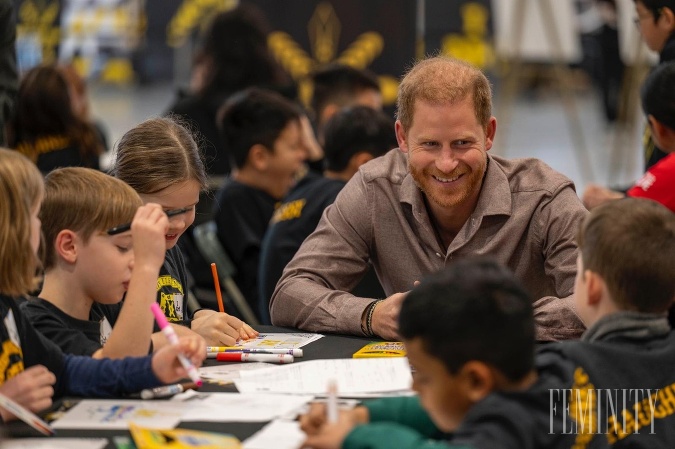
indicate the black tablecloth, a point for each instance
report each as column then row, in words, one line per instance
column 328, row 347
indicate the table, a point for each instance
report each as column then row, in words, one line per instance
column 329, row 347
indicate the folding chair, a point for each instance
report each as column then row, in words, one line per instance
column 206, row 238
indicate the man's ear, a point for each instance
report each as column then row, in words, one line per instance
column 401, row 136
column 490, row 132
column 477, row 380
column 258, row 157
column 66, row 245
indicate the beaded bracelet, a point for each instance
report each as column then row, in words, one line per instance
column 369, row 317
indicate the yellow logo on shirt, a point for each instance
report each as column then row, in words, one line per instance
column 289, row 211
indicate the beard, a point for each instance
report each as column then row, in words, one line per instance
column 470, row 183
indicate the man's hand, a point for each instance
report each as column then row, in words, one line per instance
column 595, row 195
column 324, row 435
column 385, row 317
column 165, row 363
column 32, row 388
column 221, row 329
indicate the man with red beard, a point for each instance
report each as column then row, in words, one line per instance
column 440, row 196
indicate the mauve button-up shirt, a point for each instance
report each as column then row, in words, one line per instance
column 527, row 217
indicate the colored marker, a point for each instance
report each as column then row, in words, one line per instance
column 25, row 415
column 165, row 391
column 216, row 349
column 125, row 227
column 171, row 336
column 246, row 357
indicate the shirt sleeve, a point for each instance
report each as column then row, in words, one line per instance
column 406, row 411
column 312, row 293
column 87, row 377
column 388, row 435
column 658, row 183
column 558, row 222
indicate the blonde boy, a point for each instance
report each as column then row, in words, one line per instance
column 88, row 272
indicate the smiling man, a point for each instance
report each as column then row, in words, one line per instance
column 439, row 197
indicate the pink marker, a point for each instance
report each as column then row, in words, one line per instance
column 171, row 336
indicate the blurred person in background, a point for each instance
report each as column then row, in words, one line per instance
column 231, row 56
column 48, row 126
column 9, row 78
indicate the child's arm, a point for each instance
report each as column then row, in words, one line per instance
column 132, row 332
column 84, row 376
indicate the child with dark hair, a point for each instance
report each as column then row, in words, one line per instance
column 353, row 136
column 469, row 334
column 232, row 54
column 48, row 127
column 658, row 104
column 656, row 21
column 337, row 86
column 264, row 136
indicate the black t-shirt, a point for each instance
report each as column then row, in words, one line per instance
column 242, row 214
column 172, row 287
column 72, row 335
column 66, row 157
column 17, row 335
column 295, row 218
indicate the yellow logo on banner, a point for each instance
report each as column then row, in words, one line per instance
column 471, row 46
column 324, row 33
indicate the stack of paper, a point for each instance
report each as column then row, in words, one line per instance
column 354, row 377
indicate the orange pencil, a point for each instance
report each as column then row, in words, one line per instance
column 219, row 295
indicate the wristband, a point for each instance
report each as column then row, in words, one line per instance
column 369, row 317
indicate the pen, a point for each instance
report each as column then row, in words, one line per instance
column 25, row 415
column 171, row 336
column 241, row 357
column 125, row 227
column 295, row 352
column 331, row 402
column 165, row 391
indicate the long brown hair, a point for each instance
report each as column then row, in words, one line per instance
column 44, row 111
column 21, row 190
column 157, row 154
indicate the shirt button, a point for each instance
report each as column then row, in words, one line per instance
column 439, row 255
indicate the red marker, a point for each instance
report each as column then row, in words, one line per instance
column 249, row 357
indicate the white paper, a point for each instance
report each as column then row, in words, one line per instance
column 228, row 372
column 353, row 376
column 279, row 434
column 55, row 443
column 236, row 407
column 279, row 340
column 116, row 414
